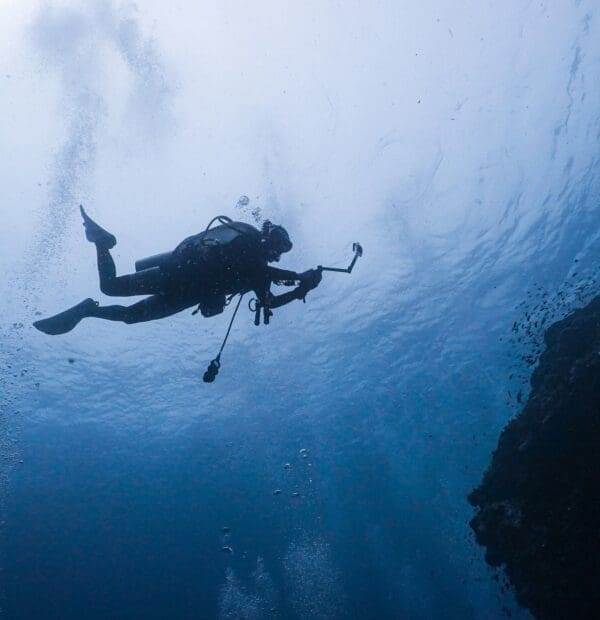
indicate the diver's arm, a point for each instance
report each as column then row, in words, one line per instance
column 308, row 280
column 268, row 300
column 281, row 275
column 276, row 301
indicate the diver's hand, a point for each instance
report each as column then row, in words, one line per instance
column 310, row 279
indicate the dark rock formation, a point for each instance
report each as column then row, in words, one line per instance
column 538, row 506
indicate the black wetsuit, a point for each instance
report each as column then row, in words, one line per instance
column 202, row 270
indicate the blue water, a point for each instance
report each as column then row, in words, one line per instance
column 458, row 145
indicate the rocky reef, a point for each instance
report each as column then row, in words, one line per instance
column 538, row 505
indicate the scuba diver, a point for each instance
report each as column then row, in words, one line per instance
column 204, row 270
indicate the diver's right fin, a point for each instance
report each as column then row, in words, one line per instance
column 95, row 233
column 65, row 321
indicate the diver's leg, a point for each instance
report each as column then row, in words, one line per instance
column 107, row 270
column 149, row 309
column 146, row 282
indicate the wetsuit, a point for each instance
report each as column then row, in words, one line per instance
column 202, row 270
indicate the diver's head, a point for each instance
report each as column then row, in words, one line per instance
column 276, row 240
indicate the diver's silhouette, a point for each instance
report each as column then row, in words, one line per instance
column 204, row 270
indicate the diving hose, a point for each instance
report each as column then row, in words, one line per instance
column 213, row 368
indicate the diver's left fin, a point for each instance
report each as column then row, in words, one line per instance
column 65, row 321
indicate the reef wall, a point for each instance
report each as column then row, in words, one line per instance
column 538, row 505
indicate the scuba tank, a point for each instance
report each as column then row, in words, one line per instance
column 221, row 235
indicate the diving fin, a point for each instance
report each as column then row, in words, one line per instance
column 67, row 320
column 95, row 233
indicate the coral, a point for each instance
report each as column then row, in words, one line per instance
column 538, row 506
